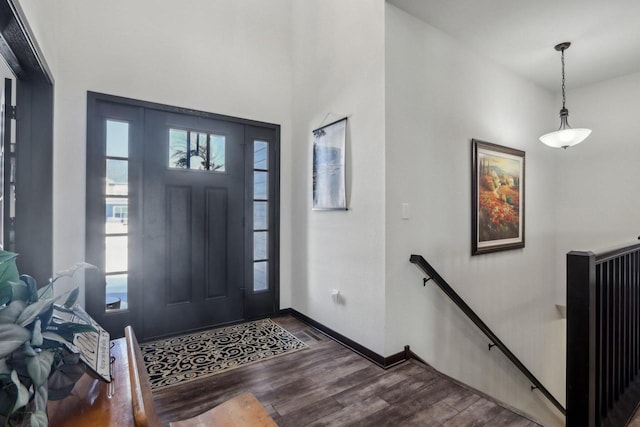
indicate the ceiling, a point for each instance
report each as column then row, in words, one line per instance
column 520, row 35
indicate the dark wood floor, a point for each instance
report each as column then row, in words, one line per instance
column 329, row 385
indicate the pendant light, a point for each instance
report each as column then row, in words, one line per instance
column 565, row 136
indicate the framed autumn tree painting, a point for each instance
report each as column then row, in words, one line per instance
column 497, row 181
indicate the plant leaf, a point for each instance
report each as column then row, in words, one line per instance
column 73, row 296
column 39, row 367
column 12, row 336
column 46, row 291
column 32, row 286
column 41, row 397
column 51, row 336
column 10, row 313
column 72, row 270
column 38, row 419
column 6, row 292
column 4, row 369
column 19, row 291
column 36, row 334
column 46, row 316
column 27, row 350
column 32, row 311
column 8, row 275
column 8, row 269
column 23, row 393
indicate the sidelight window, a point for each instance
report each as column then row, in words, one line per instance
column 261, row 233
column 116, row 201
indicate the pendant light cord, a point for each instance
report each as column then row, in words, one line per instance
column 563, row 95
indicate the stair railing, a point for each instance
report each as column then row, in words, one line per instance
column 433, row 275
column 603, row 336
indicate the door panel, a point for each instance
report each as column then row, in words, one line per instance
column 193, row 223
column 216, row 233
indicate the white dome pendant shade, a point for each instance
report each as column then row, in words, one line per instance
column 565, row 136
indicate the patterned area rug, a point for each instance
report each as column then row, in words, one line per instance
column 176, row 360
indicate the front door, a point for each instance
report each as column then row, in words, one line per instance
column 185, row 231
column 193, row 212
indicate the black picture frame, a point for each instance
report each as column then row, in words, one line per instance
column 497, row 198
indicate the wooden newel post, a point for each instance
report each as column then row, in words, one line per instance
column 581, row 342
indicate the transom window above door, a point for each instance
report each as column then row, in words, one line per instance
column 195, row 150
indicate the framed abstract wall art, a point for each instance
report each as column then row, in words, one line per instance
column 497, row 211
column 329, row 187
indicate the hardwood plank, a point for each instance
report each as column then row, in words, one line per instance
column 506, row 418
column 310, row 413
column 476, row 415
column 434, row 415
column 352, row 414
column 461, row 399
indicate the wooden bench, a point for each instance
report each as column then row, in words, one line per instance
column 243, row 410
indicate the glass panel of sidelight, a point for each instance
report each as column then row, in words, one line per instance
column 116, row 254
column 260, row 151
column 260, row 215
column 116, row 292
column 117, row 215
column 260, row 185
column 117, row 177
column 260, row 239
column 260, row 276
column 117, row 139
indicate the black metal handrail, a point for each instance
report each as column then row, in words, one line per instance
column 432, row 274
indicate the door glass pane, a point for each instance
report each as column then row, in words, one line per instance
column 260, row 239
column 217, row 153
column 260, row 282
column 117, row 139
column 116, row 292
column 205, row 151
column 260, row 219
column 198, row 151
column 178, row 148
column 260, row 151
column 117, row 177
column 116, row 252
column 117, row 210
column 260, row 185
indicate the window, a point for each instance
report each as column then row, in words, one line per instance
column 196, row 150
column 116, row 238
column 260, row 216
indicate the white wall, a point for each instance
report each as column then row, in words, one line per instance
column 598, row 180
column 338, row 69
column 225, row 57
column 440, row 95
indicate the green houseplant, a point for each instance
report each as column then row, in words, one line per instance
column 38, row 361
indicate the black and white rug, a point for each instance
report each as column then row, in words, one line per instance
column 176, row 360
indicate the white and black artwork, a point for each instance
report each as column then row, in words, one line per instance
column 329, row 187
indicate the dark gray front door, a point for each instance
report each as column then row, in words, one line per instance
column 193, row 212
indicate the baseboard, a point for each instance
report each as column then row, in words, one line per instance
column 383, row 362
